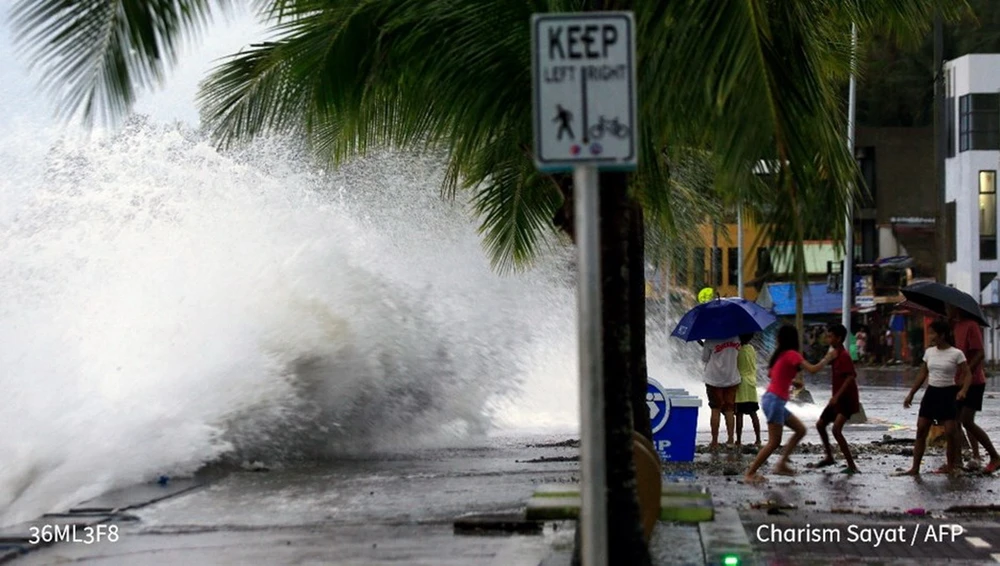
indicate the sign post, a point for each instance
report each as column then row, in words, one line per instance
column 584, row 104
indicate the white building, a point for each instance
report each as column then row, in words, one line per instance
column 973, row 159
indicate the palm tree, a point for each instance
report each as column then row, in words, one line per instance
column 742, row 79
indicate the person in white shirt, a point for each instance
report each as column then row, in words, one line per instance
column 941, row 364
column 722, row 380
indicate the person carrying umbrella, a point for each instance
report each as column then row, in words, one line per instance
column 722, row 380
column 969, row 339
column 718, row 323
column 965, row 316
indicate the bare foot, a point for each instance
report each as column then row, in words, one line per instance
column 713, row 446
column 783, row 470
column 828, row 461
column 754, row 479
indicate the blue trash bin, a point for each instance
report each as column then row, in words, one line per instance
column 673, row 415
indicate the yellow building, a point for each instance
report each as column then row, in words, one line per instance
column 692, row 268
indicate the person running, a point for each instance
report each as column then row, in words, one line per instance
column 941, row 363
column 844, row 403
column 722, row 379
column 746, row 395
column 785, row 364
column 969, row 339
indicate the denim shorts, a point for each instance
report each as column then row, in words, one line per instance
column 774, row 408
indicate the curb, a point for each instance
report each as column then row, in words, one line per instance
column 724, row 537
column 110, row 507
column 684, row 503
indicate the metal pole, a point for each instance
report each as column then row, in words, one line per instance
column 593, row 516
column 847, row 290
column 941, row 151
column 739, row 249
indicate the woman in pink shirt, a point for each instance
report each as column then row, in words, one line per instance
column 786, row 362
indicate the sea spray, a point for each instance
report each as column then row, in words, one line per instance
column 166, row 306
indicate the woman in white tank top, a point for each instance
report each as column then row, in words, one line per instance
column 941, row 363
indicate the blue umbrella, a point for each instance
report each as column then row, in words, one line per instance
column 723, row 318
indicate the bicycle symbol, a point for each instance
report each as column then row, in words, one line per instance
column 611, row 127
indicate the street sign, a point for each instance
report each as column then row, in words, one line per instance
column 584, row 90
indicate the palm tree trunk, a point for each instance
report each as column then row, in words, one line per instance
column 638, row 377
column 626, row 542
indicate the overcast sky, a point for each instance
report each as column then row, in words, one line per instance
column 24, row 102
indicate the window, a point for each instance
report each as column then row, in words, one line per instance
column 950, row 109
column 698, row 268
column 949, row 212
column 979, row 121
column 717, row 267
column 987, row 215
column 763, row 261
column 984, row 280
column 680, row 266
column 733, row 271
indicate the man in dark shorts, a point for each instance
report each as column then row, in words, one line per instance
column 844, row 403
column 969, row 339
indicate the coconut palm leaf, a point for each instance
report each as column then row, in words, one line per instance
column 95, row 54
column 742, row 79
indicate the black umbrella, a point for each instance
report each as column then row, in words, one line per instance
column 935, row 296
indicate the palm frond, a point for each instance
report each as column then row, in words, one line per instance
column 738, row 80
column 94, row 55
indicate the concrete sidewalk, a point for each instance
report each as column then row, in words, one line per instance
column 395, row 510
column 410, row 509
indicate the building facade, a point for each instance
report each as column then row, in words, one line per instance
column 973, row 158
column 971, row 165
column 898, row 214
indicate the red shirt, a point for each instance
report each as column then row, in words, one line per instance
column 969, row 339
column 842, row 368
column 783, row 373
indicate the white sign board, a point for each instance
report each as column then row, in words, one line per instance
column 864, row 302
column 584, row 90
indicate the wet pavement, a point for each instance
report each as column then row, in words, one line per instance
column 882, row 446
column 848, row 506
column 400, row 508
column 397, row 509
